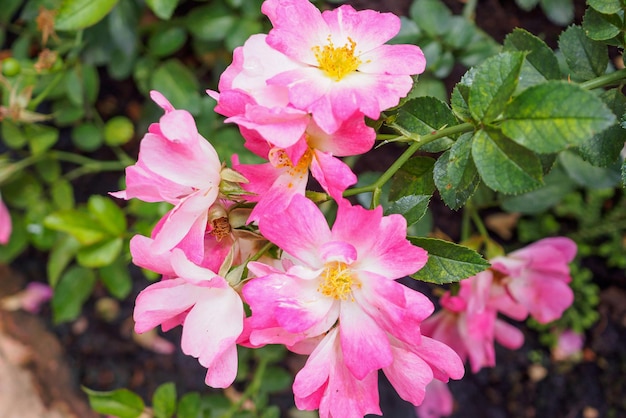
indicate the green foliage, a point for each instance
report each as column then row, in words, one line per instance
column 447, row 262
column 121, row 403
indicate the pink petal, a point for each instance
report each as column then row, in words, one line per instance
column 406, row 59
column 368, row 28
column 5, row 223
column 408, row 374
column 364, row 344
column 332, row 174
column 143, row 256
column 508, row 335
column 438, row 401
column 162, row 301
column 445, row 362
column 308, row 230
column 353, row 137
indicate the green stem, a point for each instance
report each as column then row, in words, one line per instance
column 251, row 390
column 95, row 168
column 44, row 93
column 479, row 223
column 465, row 223
column 406, row 155
column 262, row 251
column 469, row 9
column 613, row 78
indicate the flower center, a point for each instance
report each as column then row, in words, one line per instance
column 337, row 281
column 280, row 159
column 337, row 62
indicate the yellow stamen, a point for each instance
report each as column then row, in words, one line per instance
column 337, row 62
column 337, row 281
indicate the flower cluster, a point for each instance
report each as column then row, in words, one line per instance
column 532, row 281
column 300, row 96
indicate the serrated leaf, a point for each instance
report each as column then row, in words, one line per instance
column 80, row 14
column 586, row 58
column 116, row 278
column 555, row 115
column 607, row 6
column 414, row 178
column 540, row 63
column 72, row 290
column 557, row 185
column 458, row 101
column 601, row 27
column 60, row 256
column 494, row 83
column 164, row 400
column 422, row 116
column 503, row 165
column 108, row 214
column 604, row 148
column 455, row 174
column 162, row 8
column 78, row 224
column 100, row 254
column 412, row 207
column 588, row 175
column 447, row 262
column 120, row 403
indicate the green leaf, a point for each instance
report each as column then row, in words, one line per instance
column 100, row 254
column 12, row 135
column 412, row 207
column 80, row 14
column 460, row 96
column 178, row 84
column 431, row 16
column 41, row 137
column 447, row 262
column 87, row 137
column 108, row 214
column 557, row 185
column 607, row 6
column 116, row 278
column 527, row 5
column 211, row 23
column 415, row 177
column 588, row 175
column 601, row 27
column 503, row 165
column 120, row 403
column 241, row 31
column 18, row 241
column 455, row 174
column 540, row 63
column 554, row 115
column 422, row 116
column 276, row 379
column 624, row 173
column 72, row 290
column 80, row 225
column 586, row 58
column 560, row 12
column 494, row 83
column 165, row 42
column 8, row 9
column 60, row 256
column 189, row 406
column 164, row 400
column 604, row 148
column 162, row 8
column 49, row 171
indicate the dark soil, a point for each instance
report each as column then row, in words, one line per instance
column 102, row 355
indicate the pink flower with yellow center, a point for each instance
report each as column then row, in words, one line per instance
column 343, row 64
column 337, row 293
